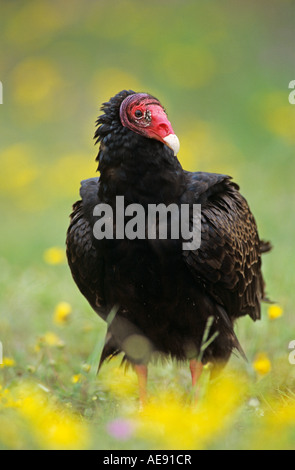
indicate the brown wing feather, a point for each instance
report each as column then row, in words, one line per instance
column 228, row 263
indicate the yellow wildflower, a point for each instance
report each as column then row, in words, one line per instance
column 276, row 430
column 37, row 346
column 262, row 364
column 274, row 311
column 76, row 378
column 61, row 313
column 7, row 362
column 53, row 426
column 121, row 382
column 3, row 394
column 51, row 339
column 174, row 425
column 54, row 255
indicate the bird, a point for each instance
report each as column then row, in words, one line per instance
column 159, row 297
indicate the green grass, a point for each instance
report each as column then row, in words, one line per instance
column 222, row 72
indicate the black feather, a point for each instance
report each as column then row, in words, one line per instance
column 164, row 295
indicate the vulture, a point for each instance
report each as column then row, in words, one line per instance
column 161, row 293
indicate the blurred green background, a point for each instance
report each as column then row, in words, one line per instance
column 221, row 69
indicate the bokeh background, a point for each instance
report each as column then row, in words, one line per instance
column 222, row 71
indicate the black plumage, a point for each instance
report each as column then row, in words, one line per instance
column 155, row 296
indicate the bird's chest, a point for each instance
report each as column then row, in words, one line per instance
column 155, row 293
column 141, row 274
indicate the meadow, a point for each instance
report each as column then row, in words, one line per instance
column 222, row 71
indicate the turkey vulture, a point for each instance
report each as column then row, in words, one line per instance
column 157, row 298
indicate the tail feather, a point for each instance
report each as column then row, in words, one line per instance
column 110, row 350
column 229, row 325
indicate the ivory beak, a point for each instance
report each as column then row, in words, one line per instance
column 172, row 142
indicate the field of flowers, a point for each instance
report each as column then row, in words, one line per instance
column 222, row 70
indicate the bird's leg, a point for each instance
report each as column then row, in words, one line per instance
column 196, row 368
column 141, row 372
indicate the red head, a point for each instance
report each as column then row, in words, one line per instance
column 145, row 115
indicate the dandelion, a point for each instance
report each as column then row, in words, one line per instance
column 54, row 255
column 172, row 424
column 3, row 394
column 51, row 339
column 62, row 313
column 262, row 364
column 122, row 383
column 276, row 429
column 274, row 311
column 77, row 378
column 52, row 426
column 7, row 362
column 168, row 422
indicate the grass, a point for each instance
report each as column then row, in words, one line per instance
column 61, row 358
column 223, row 75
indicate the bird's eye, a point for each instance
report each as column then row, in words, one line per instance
column 138, row 113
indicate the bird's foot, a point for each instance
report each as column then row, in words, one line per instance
column 196, row 368
column 142, row 372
